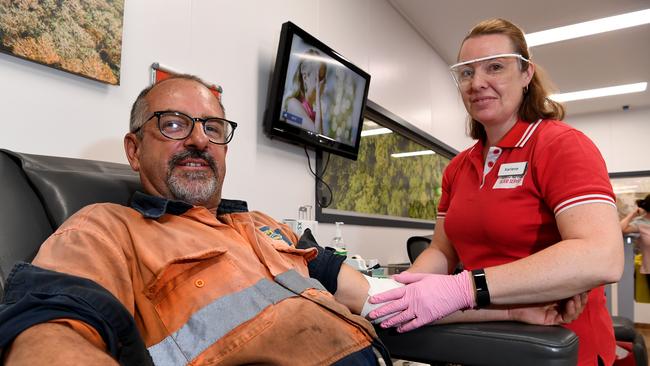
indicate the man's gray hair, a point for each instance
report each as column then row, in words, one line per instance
column 140, row 106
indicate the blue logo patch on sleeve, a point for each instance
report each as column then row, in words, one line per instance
column 275, row 234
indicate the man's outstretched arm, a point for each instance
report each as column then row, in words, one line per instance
column 53, row 345
column 348, row 285
column 352, row 289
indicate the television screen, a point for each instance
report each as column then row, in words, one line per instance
column 317, row 97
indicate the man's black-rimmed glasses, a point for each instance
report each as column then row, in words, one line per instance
column 178, row 126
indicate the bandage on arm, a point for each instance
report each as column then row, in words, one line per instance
column 377, row 285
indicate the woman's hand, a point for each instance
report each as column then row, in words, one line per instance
column 424, row 299
column 555, row 313
column 637, row 213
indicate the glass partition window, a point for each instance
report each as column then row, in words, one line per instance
column 396, row 180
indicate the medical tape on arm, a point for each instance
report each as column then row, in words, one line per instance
column 378, row 285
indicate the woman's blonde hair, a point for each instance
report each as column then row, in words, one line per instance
column 298, row 85
column 535, row 103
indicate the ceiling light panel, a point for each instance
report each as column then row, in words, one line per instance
column 588, row 28
column 600, row 92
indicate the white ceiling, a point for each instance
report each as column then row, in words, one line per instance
column 606, row 59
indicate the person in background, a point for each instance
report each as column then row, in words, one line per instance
column 304, row 105
column 638, row 221
column 640, row 216
column 528, row 210
column 183, row 276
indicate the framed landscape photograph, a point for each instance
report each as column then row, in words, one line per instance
column 83, row 37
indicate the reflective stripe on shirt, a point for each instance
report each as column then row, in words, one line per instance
column 209, row 324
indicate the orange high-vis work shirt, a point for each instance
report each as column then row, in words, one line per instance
column 228, row 290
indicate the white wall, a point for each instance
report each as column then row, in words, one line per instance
column 233, row 43
column 622, row 136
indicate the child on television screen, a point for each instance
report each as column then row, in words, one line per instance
column 303, row 106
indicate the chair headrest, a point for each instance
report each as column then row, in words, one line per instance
column 425, row 238
column 416, row 245
column 65, row 185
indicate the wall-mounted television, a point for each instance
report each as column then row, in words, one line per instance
column 317, row 97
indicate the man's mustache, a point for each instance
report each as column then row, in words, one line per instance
column 195, row 154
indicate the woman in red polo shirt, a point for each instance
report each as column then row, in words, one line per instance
column 528, row 210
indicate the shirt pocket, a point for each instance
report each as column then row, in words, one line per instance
column 211, row 304
column 188, row 284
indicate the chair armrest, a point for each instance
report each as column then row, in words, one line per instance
column 623, row 329
column 489, row 343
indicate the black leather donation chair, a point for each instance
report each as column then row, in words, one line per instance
column 39, row 192
column 623, row 331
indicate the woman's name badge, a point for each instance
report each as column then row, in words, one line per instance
column 511, row 175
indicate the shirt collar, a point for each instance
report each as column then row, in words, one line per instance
column 519, row 134
column 153, row 207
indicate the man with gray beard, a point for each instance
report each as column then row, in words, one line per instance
column 183, row 276
column 197, row 193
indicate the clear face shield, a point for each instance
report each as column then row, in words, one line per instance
column 492, row 67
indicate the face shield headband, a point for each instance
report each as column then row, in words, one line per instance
column 463, row 72
column 455, row 66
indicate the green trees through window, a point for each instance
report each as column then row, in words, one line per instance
column 397, row 176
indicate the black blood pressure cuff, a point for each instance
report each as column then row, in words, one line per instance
column 34, row 295
column 326, row 266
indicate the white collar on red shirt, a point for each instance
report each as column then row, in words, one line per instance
column 519, row 134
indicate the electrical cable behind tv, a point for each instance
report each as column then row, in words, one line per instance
column 321, row 200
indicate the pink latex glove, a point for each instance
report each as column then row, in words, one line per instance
column 424, row 299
